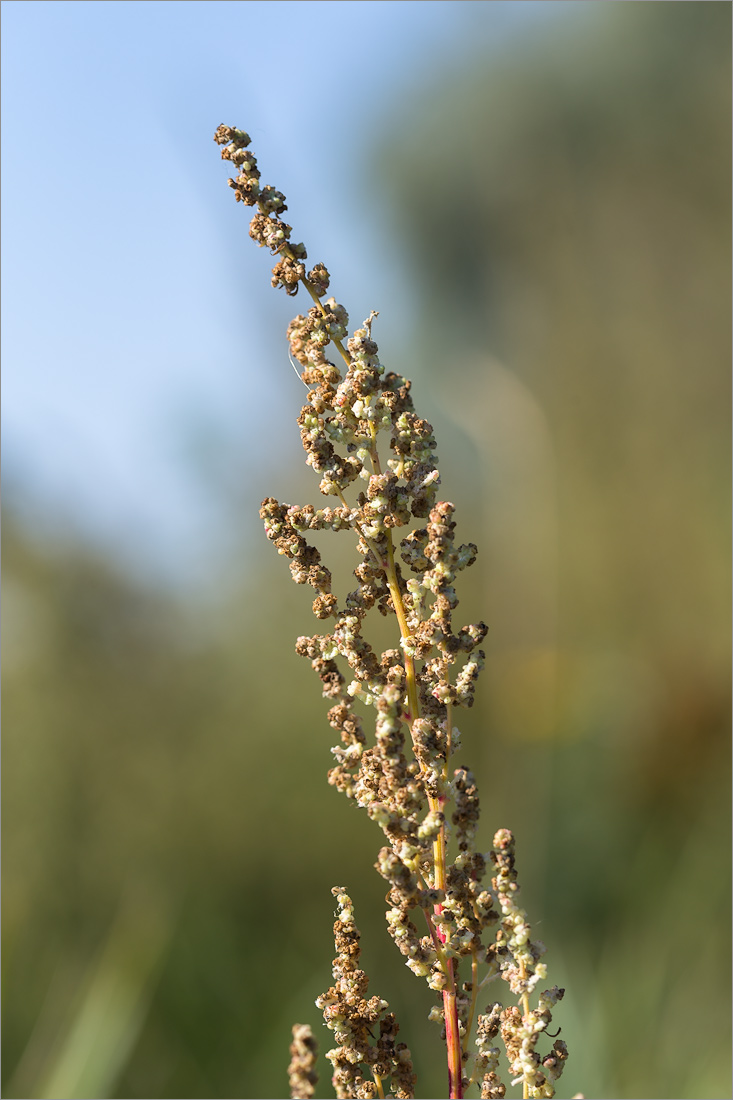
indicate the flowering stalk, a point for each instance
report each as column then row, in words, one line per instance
column 405, row 786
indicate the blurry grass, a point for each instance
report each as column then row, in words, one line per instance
column 647, row 1010
column 87, row 1058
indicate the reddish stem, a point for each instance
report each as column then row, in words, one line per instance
column 453, row 1039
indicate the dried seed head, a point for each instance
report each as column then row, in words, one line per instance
column 362, row 436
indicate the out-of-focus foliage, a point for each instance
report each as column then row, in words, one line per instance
column 169, row 838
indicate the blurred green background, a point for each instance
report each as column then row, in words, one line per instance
column 560, row 219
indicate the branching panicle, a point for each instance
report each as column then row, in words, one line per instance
column 354, row 1019
column 376, row 456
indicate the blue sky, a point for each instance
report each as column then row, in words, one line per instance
column 139, row 328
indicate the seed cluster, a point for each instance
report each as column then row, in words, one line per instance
column 302, row 1075
column 354, row 1019
column 518, row 958
column 376, row 457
